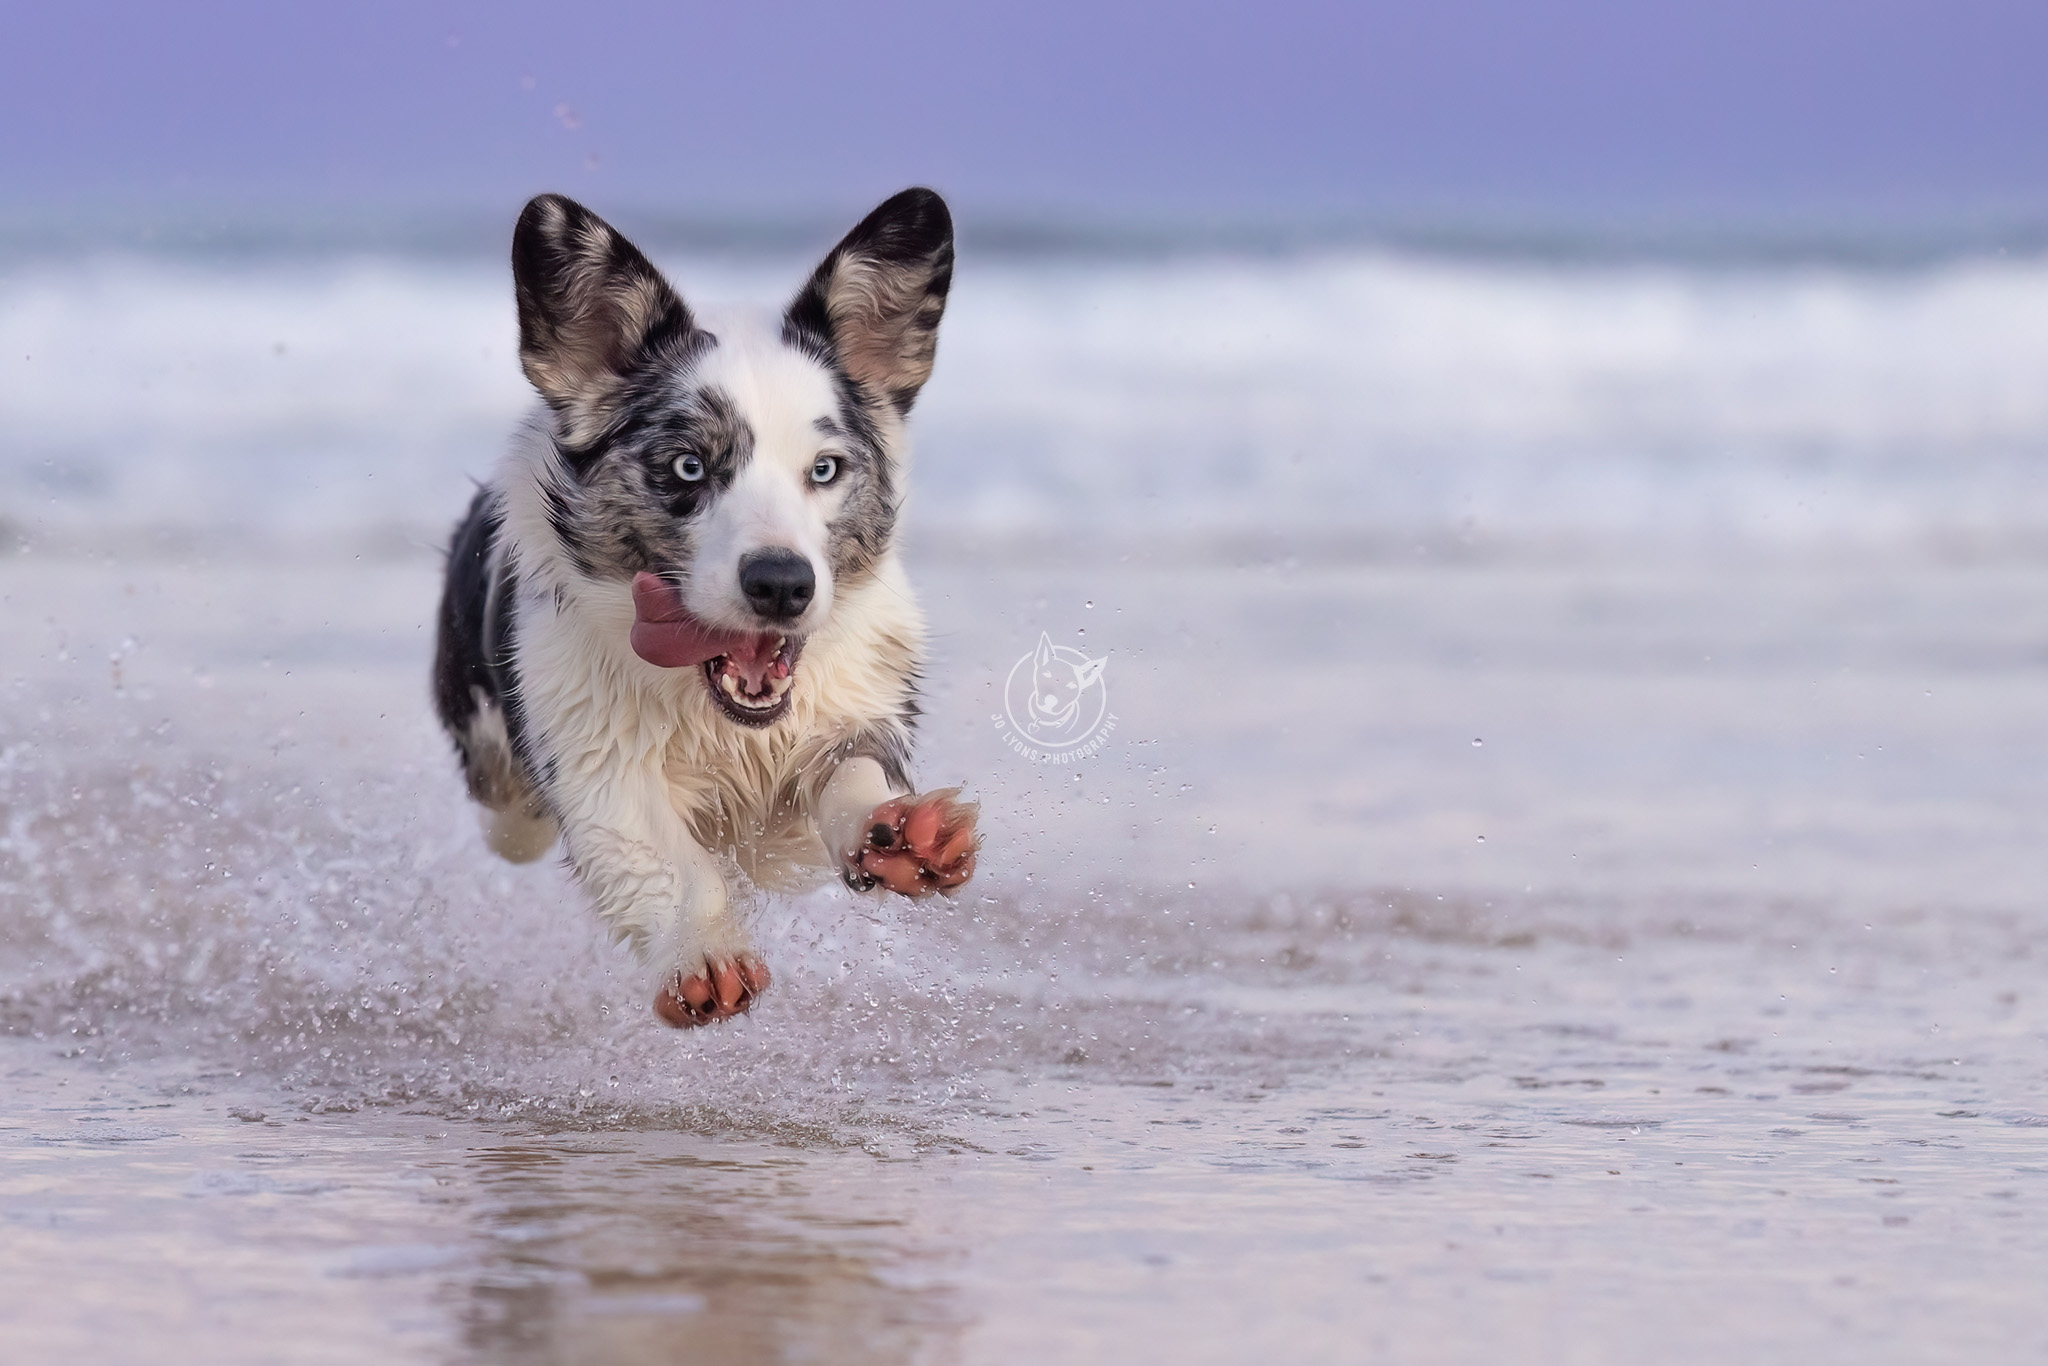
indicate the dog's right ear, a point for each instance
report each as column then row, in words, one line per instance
column 590, row 308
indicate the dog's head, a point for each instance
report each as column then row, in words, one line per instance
column 740, row 480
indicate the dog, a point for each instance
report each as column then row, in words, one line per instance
column 675, row 633
column 1057, row 686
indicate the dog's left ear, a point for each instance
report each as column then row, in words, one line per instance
column 874, row 305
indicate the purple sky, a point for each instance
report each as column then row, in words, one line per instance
column 1623, row 105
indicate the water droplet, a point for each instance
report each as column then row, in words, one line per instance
column 1477, row 742
column 1089, row 603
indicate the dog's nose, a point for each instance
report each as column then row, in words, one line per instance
column 778, row 583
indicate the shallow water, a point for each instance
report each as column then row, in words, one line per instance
column 1565, row 885
column 1724, row 1043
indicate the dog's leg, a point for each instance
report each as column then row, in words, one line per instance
column 659, row 889
column 519, row 834
column 910, row 843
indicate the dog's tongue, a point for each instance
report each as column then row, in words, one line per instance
column 665, row 633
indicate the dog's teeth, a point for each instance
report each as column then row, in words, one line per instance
column 738, row 691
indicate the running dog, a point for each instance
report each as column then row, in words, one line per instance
column 675, row 632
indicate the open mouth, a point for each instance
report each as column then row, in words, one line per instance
column 750, row 673
column 752, row 682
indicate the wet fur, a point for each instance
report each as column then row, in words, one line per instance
column 559, row 726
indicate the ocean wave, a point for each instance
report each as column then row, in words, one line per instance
column 1360, row 393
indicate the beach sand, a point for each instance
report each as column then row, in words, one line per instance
column 1448, row 960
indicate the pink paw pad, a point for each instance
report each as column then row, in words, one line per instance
column 918, row 845
column 725, row 987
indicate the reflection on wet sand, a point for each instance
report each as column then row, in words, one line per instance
column 167, row 1212
column 624, row 1250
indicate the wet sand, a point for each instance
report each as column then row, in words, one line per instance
column 1723, row 1043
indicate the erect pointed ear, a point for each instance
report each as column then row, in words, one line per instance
column 590, row 308
column 874, row 304
column 1042, row 656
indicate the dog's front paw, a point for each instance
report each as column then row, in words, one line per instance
column 720, row 989
column 918, row 845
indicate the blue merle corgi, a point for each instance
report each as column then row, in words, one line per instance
column 675, row 634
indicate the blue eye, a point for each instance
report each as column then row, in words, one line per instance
column 689, row 468
column 824, row 469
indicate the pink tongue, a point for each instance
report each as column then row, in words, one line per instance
column 665, row 633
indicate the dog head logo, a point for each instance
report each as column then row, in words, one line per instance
column 1055, row 695
column 1057, row 685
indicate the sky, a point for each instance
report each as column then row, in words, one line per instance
column 1900, row 107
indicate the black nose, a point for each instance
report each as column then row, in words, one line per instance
column 778, row 583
